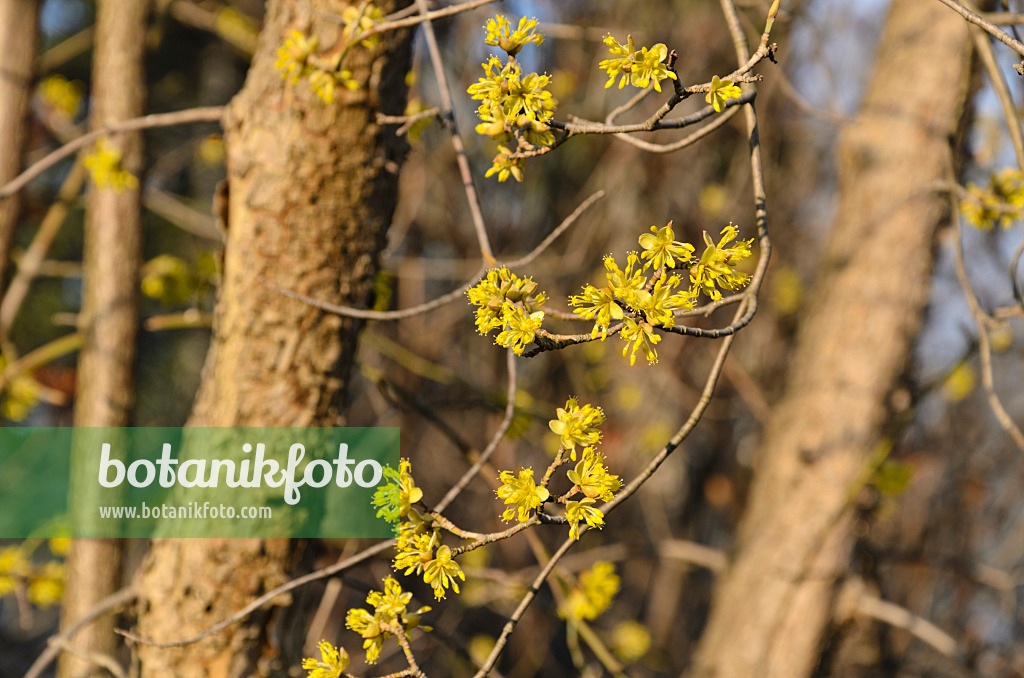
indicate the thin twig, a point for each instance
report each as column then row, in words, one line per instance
column 684, row 142
column 559, row 230
column 189, row 115
column 104, row 661
column 448, row 115
column 997, row 33
column 267, row 597
column 455, row 294
column 111, row 602
column 30, row 264
column 995, row 76
column 403, row 640
column 492, row 445
column 367, row 314
column 981, row 323
column 524, row 603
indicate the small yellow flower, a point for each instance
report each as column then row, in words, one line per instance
column 583, row 510
column 104, row 165
column 332, row 663
column 441, row 572
column 500, row 34
column 22, row 395
column 14, row 566
column 662, row 249
column 716, row 268
column 593, row 594
column 357, row 22
column 639, row 336
column 637, row 67
column 520, row 329
column 46, row 586
column 577, row 425
column 505, row 166
column 1000, row 202
column 62, row 95
column 630, row 640
column 721, row 91
column 592, row 479
column 396, row 497
column 293, row 56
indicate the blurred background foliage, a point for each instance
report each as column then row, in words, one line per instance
column 948, row 499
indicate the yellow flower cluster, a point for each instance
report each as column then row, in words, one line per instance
column 389, row 614
column 44, row 583
column 395, row 498
column 63, row 96
column 717, row 266
column 297, row 59
column 1000, row 202
column 593, row 593
column 638, row 67
column 22, row 395
column 332, row 663
column 104, row 165
column 500, row 34
column 515, row 109
column 577, row 425
column 593, row 481
column 506, row 301
column 359, row 20
column 647, row 293
column 169, row 279
column 418, row 544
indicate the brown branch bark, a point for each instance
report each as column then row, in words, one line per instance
column 18, row 36
column 109, row 319
column 773, row 605
column 311, row 191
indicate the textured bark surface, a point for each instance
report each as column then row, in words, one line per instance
column 109, row 319
column 311, row 190
column 18, row 35
column 773, row 605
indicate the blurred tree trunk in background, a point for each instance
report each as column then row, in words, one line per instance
column 18, row 35
column 310, row 192
column 109, row 319
column 773, row 606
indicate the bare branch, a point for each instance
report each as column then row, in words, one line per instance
column 997, row 33
column 190, row 115
column 267, row 597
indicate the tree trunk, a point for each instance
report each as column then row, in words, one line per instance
column 773, row 605
column 113, row 235
column 18, row 35
column 310, row 192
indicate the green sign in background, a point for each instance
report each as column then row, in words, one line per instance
column 50, row 482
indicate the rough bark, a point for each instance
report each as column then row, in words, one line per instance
column 111, row 260
column 18, row 36
column 311, row 189
column 773, row 605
